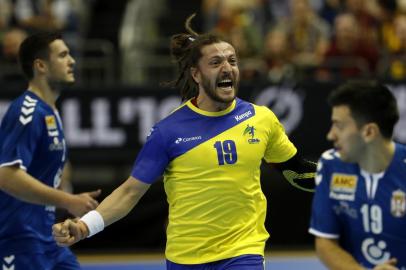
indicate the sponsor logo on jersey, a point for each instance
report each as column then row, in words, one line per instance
column 250, row 131
column 50, row 121
column 398, row 203
column 343, row 186
column 50, row 208
column 57, row 145
column 375, row 251
column 345, row 208
column 189, row 139
column 242, row 116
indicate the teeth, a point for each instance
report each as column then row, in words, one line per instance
column 225, row 81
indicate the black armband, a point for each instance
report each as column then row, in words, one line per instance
column 299, row 172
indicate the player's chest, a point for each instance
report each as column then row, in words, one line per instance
column 239, row 145
column 53, row 140
column 376, row 203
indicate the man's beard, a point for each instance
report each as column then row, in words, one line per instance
column 58, row 85
column 210, row 89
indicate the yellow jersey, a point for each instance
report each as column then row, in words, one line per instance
column 211, row 166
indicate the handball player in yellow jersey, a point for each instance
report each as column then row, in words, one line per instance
column 209, row 151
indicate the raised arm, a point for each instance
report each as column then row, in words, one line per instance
column 120, row 202
column 114, row 207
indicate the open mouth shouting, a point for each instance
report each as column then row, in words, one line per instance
column 225, row 84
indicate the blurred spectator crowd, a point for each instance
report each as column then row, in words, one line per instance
column 277, row 40
column 317, row 39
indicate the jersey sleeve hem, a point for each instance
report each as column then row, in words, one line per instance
column 286, row 158
column 14, row 162
column 322, row 234
column 142, row 180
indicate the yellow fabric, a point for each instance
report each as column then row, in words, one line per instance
column 218, row 211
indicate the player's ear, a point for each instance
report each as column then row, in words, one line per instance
column 195, row 74
column 370, row 131
column 40, row 66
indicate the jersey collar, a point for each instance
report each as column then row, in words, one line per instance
column 206, row 113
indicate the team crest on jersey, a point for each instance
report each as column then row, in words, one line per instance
column 398, row 203
column 343, row 186
column 250, row 131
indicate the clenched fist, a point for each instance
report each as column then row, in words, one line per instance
column 69, row 232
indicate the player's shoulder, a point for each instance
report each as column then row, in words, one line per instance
column 402, row 150
column 262, row 111
column 328, row 162
column 25, row 109
column 401, row 153
column 258, row 108
column 331, row 157
column 173, row 118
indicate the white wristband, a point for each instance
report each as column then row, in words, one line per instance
column 94, row 222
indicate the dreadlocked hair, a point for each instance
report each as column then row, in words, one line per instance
column 186, row 52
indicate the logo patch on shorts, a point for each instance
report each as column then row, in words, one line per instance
column 343, row 186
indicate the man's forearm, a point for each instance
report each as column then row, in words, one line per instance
column 120, row 202
column 335, row 257
column 23, row 186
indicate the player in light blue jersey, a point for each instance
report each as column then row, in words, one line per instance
column 359, row 209
column 32, row 157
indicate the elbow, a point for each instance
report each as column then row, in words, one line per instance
column 7, row 176
column 135, row 188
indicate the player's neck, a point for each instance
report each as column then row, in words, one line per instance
column 378, row 156
column 42, row 89
column 205, row 103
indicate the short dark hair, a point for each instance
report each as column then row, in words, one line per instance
column 186, row 52
column 34, row 47
column 368, row 101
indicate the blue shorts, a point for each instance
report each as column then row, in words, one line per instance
column 58, row 259
column 243, row 262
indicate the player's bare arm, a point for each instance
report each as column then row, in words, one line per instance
column 114, row 207
column 23, row 186
column 334, row 257
column 120, row 202
column 388, row 265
